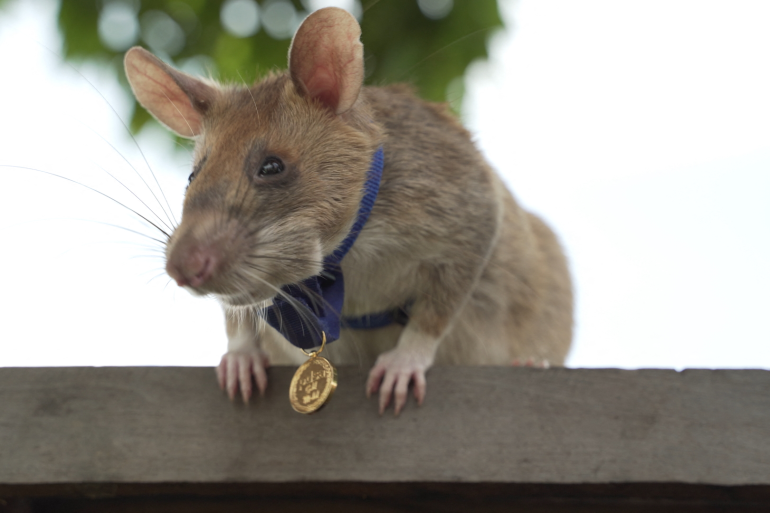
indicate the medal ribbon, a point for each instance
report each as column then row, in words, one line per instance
column 320, row 298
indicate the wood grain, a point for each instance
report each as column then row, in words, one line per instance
column 71, row 430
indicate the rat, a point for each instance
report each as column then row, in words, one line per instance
column 280, row 170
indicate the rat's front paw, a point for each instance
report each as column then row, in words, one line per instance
column 391, row 375
column 236, row 369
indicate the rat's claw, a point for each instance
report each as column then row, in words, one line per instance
column 232, row 376
column 235, row 372
column 385, row 390
column 244, row 379
column 402, row 387
column 222, row 373
column 375, row 377
column 419, row 387
column 258, row 367
column 392, row 374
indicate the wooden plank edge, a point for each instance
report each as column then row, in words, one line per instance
column 332, row 490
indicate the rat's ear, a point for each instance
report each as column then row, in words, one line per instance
column 176, row 99
column 326, row 59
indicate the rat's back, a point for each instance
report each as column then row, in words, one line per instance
column 445, row 225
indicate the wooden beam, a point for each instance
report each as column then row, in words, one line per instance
column 505, row 433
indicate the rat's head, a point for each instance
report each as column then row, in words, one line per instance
column 278, row 167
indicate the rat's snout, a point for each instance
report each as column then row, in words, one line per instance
column 193, row 265
column 198, row 252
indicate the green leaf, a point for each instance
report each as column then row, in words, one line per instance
column 400, row 43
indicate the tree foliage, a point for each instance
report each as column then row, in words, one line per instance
column 403, row 42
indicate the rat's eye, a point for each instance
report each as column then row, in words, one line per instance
column 196, row 170
column 271, row 166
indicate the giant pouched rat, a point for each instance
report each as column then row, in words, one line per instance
column 278, row 178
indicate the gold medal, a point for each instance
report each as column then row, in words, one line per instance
column 313, row 383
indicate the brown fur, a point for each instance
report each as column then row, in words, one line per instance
column 439, row 210
column 488, row 280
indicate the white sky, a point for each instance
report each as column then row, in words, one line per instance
column 639, row 130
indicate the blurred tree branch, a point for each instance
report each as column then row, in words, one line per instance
column 428, row 43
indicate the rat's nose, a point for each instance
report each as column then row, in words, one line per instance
column 192, row 266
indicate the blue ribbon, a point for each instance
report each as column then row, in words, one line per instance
column 317, row 302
